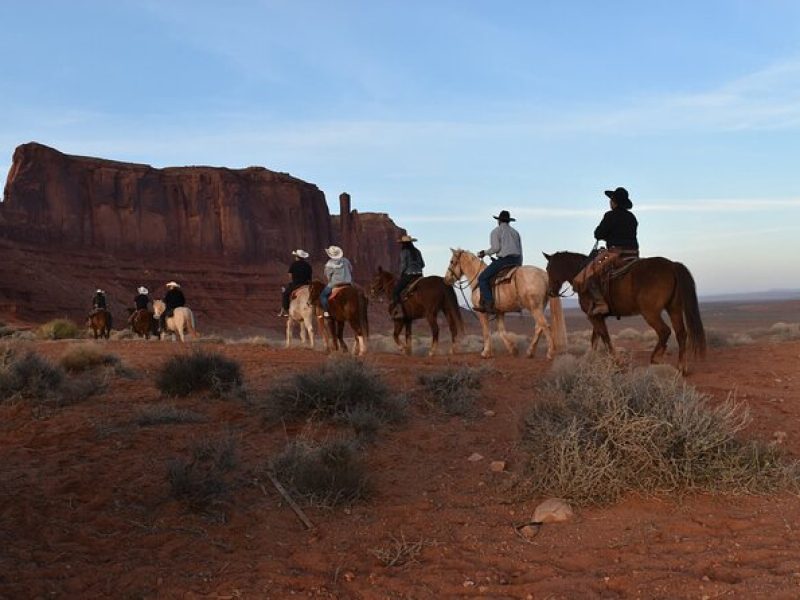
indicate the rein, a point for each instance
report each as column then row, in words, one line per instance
column 461, row 286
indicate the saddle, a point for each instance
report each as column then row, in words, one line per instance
column 296, row 290
column 504, row 275
column 409, row 289
column 338, row 288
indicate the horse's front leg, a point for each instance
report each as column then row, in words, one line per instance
column 507, row 341
column 487, row 335
column 434, row 325
column 340, row 335
column 398, row 327
column 407, row 326
column 600, row 330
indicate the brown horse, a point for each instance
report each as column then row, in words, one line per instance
column 648, row 287
column 142, row 323
column 347, row 304
column 100, row 322
column 429, row 296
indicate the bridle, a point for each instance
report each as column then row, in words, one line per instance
column 458, row 283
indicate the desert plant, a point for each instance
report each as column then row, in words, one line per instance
column 199, row 371
column 166, row 414
column 398, row 551
column 28, row 375
column 455, row 390
column 326, row 474
column 342, row 390
column 85, row 357
column 60, row 329
column 204, row 478
column 601, row 432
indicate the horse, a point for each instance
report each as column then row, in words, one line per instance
column 142, row 323
column 100, row 322
column 429, row 296
column 302, row 313
column 648, row 287
column 182, row 319
column 527, row 289
column 347, row 304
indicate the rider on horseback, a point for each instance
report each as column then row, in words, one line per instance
column 172, row 299
column 507, row 245
column 140, row 301
column 618, row 230
column 99, row 301
column 338, row 271
column 411, row 265
column 301, row 274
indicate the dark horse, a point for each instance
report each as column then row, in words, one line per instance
column 648, row 287
column 100, row 322
column 429, row 296
column 142, row 323
column 347, row 304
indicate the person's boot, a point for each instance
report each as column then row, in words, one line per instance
column 599, row 306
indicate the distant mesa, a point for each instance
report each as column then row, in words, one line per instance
column 248, row 218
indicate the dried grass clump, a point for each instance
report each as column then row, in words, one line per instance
column 343, row 390
column 784, row 332
column 27, row 375
column 60, row 329
column 455, row 390
column 200, row 371
column 166, row 414
column 399, row 551
column 327, row 474
column 601, row 433
column 204, row 479
column 84, row 357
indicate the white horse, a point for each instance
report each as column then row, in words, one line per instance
column 302, row 313
column 527, row 289
column 182, row 319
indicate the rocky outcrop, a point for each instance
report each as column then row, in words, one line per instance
column 242, row 221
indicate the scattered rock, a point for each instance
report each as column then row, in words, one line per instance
column 497, row 466
column 529, row 531
column 553, row 510
column 475, row 457
column 489, row 413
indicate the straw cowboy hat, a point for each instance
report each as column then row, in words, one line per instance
column 300, row 253
column 173, row 284
column 99, row 291
column 504, row 217
column 620, row 196
column 142, row 290
column 334, row 252
column 407, row 238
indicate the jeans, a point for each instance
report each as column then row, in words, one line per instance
column 324, row 295
column 485, row 278
column 402, row 283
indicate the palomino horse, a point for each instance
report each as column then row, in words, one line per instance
column 142, row 322
column 302, row 313
column 182, row 319
column 347, row 304
column 429, row 296
column 100, row 322
column 527, row 289
column 648, row 287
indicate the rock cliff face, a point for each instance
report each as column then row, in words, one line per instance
column 242, row 221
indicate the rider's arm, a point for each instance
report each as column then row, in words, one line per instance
column 494, row 241
column 604, row 228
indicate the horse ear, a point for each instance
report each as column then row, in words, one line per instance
column 452, row 250
column 546, row 255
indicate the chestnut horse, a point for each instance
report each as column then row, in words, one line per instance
column 429, row 296
column 347, row 304
column 648, row 287
column 527, row 289
column 100, row 322
column 142, row 323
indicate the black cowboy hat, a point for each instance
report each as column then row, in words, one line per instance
column 620, row 196
column 504, row 217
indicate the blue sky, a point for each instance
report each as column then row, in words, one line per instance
column 442, row 113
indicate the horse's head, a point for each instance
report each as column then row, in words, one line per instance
column 158, row 308
column 381, row 284
column 562, row 268
column 454, row 269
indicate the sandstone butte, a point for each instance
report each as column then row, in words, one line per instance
column 71, row 224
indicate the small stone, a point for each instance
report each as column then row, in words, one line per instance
column 529, row 531
column 468, row 583
column 489, row 413
column 475, row 457
column 553, row 510
column 349, row 576
column 497, row 466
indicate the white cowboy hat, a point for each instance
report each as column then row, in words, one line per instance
column 173, row 284
column 142, row 290
column 334, row 252
column 407, row 238
column 300, row 253
column 99, row 291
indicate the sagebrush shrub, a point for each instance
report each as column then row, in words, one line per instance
column 200, row 371
column 84, row 357
column 455, row 390
column 60, row 329
column 205, row 477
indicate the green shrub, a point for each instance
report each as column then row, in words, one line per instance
column 60, row 329
column 328, row 474
column 601, row 432
column 341, row 390
column 199, row 371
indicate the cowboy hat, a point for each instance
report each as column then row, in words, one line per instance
column 620, row 196
column 99, row 291
column 142, row 290
column 300, row 253
column 334, row 252
column 504, row 217
column 406, row 238
column 173, row 284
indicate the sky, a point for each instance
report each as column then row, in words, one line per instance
column 444, row 112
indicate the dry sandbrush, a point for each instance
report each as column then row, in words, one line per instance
column 454, row 390
column 342, row 390
column 205, row 478
column 200, row 371
column 600, row 433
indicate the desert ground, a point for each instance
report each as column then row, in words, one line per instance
column 87, row 512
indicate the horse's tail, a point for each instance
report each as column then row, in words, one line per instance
column 691, row 310
column 558, row 325
column 452, row 311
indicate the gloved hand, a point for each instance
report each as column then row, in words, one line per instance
column 481, row 254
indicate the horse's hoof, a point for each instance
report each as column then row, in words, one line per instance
column 486, row 355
